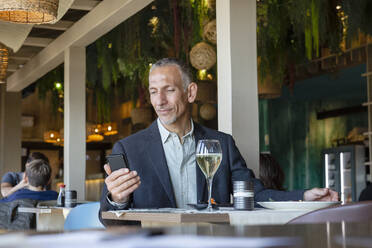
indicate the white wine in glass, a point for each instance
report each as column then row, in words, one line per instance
column 208, row 157
column 209, row 163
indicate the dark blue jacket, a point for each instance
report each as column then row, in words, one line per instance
column 32, row 195
column 145, row 154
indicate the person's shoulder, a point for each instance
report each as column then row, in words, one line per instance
column 21, row 193
column 10, row 177
column 211, row 132
column 50, row 192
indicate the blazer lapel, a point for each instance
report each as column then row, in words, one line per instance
column 156, row 153
column 201, row 182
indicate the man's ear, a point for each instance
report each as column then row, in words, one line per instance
column 25, row 177
column 192, row 90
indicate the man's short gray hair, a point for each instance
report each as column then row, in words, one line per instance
column 184, row 70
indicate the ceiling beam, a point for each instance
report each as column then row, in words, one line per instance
column 87, row 5
column 61, row 25
column 37, row 42
column 106, row 16
column 22, row 58
column 12, row 67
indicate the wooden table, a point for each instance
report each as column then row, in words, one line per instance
column 153, row 218
column 165, row 217
column 48, row 218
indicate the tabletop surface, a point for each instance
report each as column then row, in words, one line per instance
column 224, row 215
column 305, row 235
column 213, row 235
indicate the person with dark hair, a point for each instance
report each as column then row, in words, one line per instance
column 37, row 155
column 36, row 177
column 13, row 181
column 162, row 169
column 271, row 174
column 366, row 194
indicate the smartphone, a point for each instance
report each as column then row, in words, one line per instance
column 117, row 161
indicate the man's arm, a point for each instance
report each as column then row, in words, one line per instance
column 7, row 188
column 240, row 171
column 118, row 187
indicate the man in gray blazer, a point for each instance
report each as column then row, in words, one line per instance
column 162, row 167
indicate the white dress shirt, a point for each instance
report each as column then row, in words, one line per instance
column 181, row 163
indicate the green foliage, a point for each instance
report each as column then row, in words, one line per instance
column 120, row 60
column 359, row 17
column 48, row 84
column 272, row 36
column 289, row 32
column 292, row 32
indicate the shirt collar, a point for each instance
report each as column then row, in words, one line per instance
column 164, row 133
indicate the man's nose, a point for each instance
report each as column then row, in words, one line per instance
column 161, row 99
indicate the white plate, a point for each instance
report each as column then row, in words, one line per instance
column 297, row 205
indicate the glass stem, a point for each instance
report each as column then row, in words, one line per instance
column 209, row 184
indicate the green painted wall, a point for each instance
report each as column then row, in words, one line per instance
column 297, row 137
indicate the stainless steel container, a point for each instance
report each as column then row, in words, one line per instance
column 243, row 195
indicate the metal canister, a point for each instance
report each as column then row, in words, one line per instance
column 243, row 195
column 70, row 198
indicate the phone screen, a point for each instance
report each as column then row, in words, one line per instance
column 116, row 161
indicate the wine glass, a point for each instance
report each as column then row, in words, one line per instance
column 208, row 157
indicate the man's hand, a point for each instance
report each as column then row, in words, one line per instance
column 320, row 194
column 23, row 183
column 121, row 183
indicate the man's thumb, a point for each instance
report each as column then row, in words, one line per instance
column 107, row 169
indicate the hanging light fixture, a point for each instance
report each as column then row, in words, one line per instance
column 30, row 11
column 94, row 133
column 60, row 138
column 4, row 57
column 110, row 128
column 51, row 136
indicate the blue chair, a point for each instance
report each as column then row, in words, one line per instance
column 84, row 216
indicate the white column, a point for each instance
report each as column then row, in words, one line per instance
column 10, row 131
column 74, row 126
column 237, row 76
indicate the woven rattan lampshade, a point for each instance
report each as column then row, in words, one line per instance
column 29, row 11
column 4, row 56
column 94, row 133
column 51, row 136
column 110, row 128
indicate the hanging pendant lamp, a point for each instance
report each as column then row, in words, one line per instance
column 4, row 57
column 51, row 136
column 110, row 128
column 94, row 133
column 29, row 11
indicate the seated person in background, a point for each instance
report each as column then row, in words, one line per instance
column 36, row 177
column 271, row 174
column 13, row 181
column 366, row 194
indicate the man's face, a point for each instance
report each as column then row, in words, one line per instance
column 167, row 94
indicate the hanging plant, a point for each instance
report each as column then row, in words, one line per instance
column 118, row 63
column 292, row 32
column 52, row 82
column 357, row 17
column 273, row 27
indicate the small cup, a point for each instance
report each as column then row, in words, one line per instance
column 243, row 195
column 70, row 198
